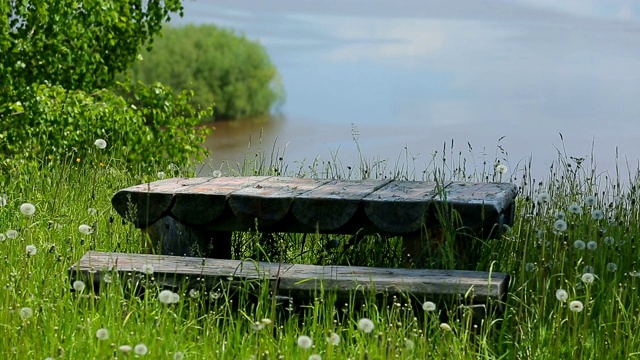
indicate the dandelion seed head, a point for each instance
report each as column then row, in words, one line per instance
column 588, row 269
column 266, row 321
column 78, row 285
column 26, row 312
column 333, row 339
column 590, row 200
column 560, row 215
column 161, row 175
column 445, row 327
column 575, row 209
column 27, row 209
column 217, row 173
column 588, row 278
column 501, row 169
column 304, row 342
column 147, row 269
column 31, row 250
column 634, row 273
column 597, row 214
column 92, row 211
column 102, row 334
column 125, row 348
column 12, row 234
column 543, row 198
column 106, row 277
column 193, row 293
column 85, row 229
column 428, row 306
column 609, row 240
column 3, row 201
column 530, row 267
column 315, row 357
column 3, row 237
column 257, row 326
column 168, row 297
column 178, row 355
column 366, row 325
column 409, row 344
column 100, row 144
column 579, row 244
column 560, row 225
column 141, row 349
column 592, row 245
column 562, row 295
column 576, row 306
column 612, row 267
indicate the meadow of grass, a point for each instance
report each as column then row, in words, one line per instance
column 571, row 253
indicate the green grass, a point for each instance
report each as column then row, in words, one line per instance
column 540, row 258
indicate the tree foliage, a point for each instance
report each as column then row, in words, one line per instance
column 222, row 68
column 58, row 90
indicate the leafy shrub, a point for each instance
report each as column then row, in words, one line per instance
column 222, row 68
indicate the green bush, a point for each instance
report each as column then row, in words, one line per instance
column 222, row 68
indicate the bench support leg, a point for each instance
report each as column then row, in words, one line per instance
column 169, row 237
column 416, row 247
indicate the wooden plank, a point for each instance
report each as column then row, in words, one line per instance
column 145, row 203
column 401, row 206
column 202, row 203
column 297, row 280
column 333, row 204
column 479, row 204
column 268, row 201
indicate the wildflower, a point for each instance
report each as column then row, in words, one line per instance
column 588, row 278
column 588, row 269
column 85, row 229
column 3, row 237
column 92, row 211
column 178, row 355
column 529, row 267
column 315, row 357
column 78, row 286
column 217, row 173
column 147, row 269
column 560, row 215
column 597, row 214
column 168, row 297
column 428, row 306
column 592, row 245
column 409, row 344
column 125, row 348
column 612, row 267
column 140, row 349
column 193, row 293
column 539, row 233
column 501, row 169
column 266, row 321
column 634, row 273
column 366, row 325
column 102, row 334
column 304, row 342
column 100, row 144
column 543, row 198
column 560, row 225
column 3, row 201
column 445, row 327
column 579, row 244
column 590, row 200
column 562, row 295
column 576, row 306
column 161, row 175
column 575, row 209
column 333, row 339
column 257, row 326
column 12, row 234
column 27, row 209
column 173, row 167
column 26, row 312
column 609, row 240
column 106, row 277
column 31, row 250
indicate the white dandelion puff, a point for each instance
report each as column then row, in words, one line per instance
column 147, row 269
column 428, row 306
column 106, row 277
column 543, row 198
column 3, row 237
column 409, row 344
column 445, row 327
column 27, row 209
column 576, row 306
column 609, row 240
column 31, row 250
column 168, row 297
column 588, row 278
column 257, row 326
column 575, row 209
column 100, row 144
column 315, row 357
column 579, row 244
column 304, row 342
column 92, row 211
column 560, row 225
column 560, row 215
column 217, row 173
column 3, row 201
column 102, row 334
column 161, row 175
column 591, row 200
column 597, row 214
column 366, row 325
column 530, row 267
column 592, row 245
column 26, row 312
column 266, row 321
column 333, row 339
column 85, row 229
column 141, row 349
column 588, row 269
column 178, row 355
column 12, row 234
column 78, row 286
column 612, row 267
column 501, row 169
column 125, row 348
column 562, row 295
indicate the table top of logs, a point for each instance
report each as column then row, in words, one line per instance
column 328, row 206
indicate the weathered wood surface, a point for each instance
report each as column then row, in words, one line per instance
column 303, row 280
column 299, row 205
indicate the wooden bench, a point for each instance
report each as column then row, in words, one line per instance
column 194, row 217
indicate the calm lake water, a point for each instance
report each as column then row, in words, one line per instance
column 419, row 73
